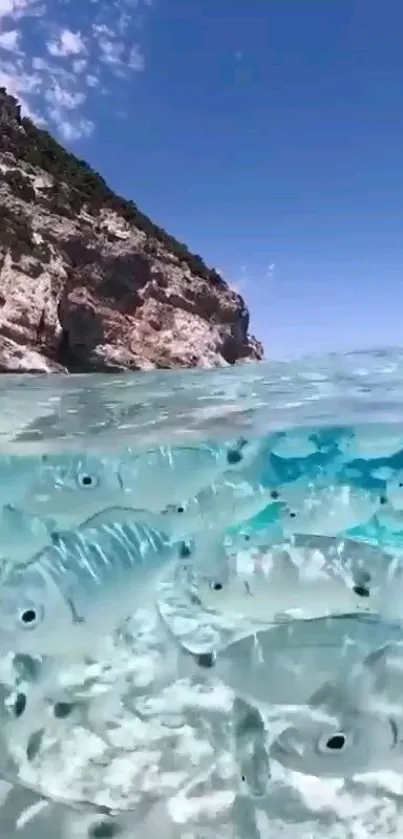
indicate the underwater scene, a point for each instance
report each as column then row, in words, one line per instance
column 201, row 602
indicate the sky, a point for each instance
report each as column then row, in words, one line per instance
column 265, row 134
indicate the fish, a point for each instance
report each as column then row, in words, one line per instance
column 83, row 585
column 170, row 475
column 348, row 743
column 325, row 510
column 230, row 500
column 286, row 663
column 22, row 535
column 71, row 488
column 362, row 728
column 17, row 474
column 251, row 538
column 308, row 577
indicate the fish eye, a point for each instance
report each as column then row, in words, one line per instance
column 85, row 480
column 361, row 591
column 180, row 509
column 216, row 586
column 28, row 618
column 334, row 743
column 293, row 515
column 206, row 660
column 274, row 494
column 234, row 456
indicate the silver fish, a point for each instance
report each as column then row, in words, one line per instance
column 308, row 577
column 229, row 501
column 376, row 683
column 169, row 475
column 325, row 510
column 73, row 487
column 363, row 725
column 344, row 745
column 22, row 535
column 81, row 587
column 285, row 664
column 17, row 474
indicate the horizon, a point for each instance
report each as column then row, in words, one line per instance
column 269, row 141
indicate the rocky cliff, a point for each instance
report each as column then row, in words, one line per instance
column 89, row 283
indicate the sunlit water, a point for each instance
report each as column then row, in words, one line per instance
column 250, row 683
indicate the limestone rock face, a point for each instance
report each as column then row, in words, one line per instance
column 88, row 283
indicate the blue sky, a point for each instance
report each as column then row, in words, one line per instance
column 266, row 134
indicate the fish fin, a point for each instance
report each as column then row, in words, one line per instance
column 330, row 697
column 283, row 570
column 121, row 515
column 376, row 656
column 344, row 696
column 245, row 716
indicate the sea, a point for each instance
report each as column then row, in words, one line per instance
column 274, row 711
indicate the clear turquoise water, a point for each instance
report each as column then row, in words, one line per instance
column 142, row 737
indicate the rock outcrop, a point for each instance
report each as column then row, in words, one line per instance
column 88, row 283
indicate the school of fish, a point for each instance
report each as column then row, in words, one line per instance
column 297, row 538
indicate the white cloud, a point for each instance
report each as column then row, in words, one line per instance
column 270, row 270
column 64, row 99
column 79, row 65
column 71, row 130
column 67, row 43
column 92, row 81
column 111, row 52
column 10, row 40
column 59, row 81
column 114, row 51
column 18, row 9
column 136, row 60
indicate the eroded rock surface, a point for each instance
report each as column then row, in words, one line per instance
column 88, row 283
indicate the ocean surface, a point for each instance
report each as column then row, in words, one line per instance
column 201, row 602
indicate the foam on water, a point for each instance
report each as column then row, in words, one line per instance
column 146, row 733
